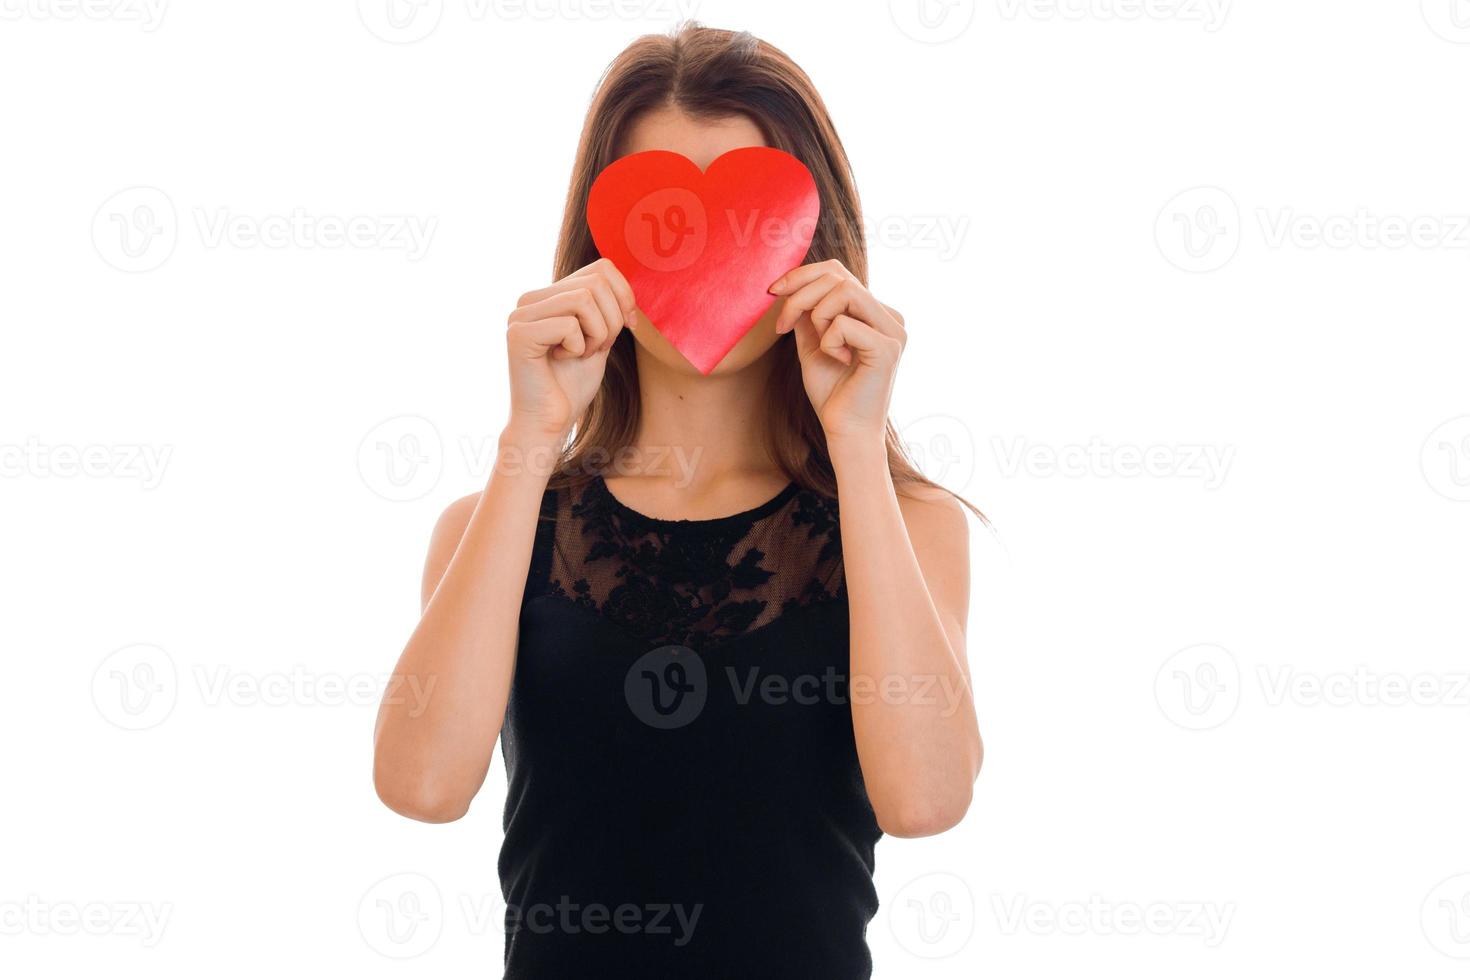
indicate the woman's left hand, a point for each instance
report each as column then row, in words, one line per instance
column 848, row 344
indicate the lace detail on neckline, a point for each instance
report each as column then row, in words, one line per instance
column 598, row 488
column 694, row 583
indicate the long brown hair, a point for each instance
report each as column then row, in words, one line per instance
column 714, row 73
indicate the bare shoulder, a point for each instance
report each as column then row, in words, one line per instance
column 933, row 514
column 455, row 518
column 445, row 541
column 939, row 531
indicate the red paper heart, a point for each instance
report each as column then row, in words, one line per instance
column 700, row 249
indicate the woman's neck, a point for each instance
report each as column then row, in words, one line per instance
column 707, row 430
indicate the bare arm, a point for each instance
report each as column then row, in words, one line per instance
column 443, row 709
column 906, row 561
column 907, row 567
column 442, row 712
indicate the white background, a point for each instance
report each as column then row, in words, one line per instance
column 1223, row 695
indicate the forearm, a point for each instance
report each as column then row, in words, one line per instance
column 912, row 709
column 444, row 707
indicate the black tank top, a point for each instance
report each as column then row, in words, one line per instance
column 684, row 792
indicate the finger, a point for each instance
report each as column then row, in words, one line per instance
column 807, row 338
column 809, row 343
column 890, row 322
column 803, row 274
column 838, row 351
column 602, row 293
column 627, row 302
column 576, row 302
column 805, row 299
column 852, row 298
column 847, row 334
column 557, row 336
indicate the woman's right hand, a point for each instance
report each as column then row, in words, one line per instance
column 557, row 346
column 431, row 754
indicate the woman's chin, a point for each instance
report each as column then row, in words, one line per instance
column 747, row 351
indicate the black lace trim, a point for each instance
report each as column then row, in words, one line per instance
column 694, row 583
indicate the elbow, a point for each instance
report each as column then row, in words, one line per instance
column 420, row 799
column 920, row 821
column 923, row 818
column 916, row 813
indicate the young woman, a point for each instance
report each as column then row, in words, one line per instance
column 717, row 622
